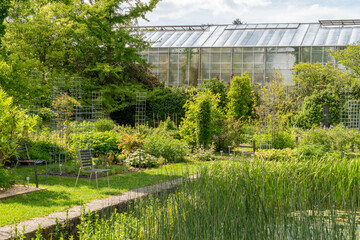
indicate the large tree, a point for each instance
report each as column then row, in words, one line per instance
column 91, row 39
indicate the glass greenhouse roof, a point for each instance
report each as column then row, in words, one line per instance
column 253, row 35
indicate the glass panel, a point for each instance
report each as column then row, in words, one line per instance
column 255, row 37
column 287, row 37
column 163, row 39
column 321, row 37
column 170, row 41
column 276, row 38
column 163, row 65
column 174, row 70
column 214, row 36
column 205, row 63
column 179, row 42
column 204, row 36
column 311, row 34
column 265, row 38
column 317, row 54
column 194, row 66
column 233, row 38
column 223, row 38
column 299, row 35
column 332, row 37
column 344, row 37
column 355, row 35
column 305, row 54
column 183, row 68
column 191, row 40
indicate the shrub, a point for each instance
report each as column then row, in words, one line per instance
column 130, row 143
column 283, row 140
column 202, row 119
column 100, row 142
column 15, row 124
column 204, row 155
column 7, row 180
column 316, row 150
column 240, row 97
column 277, row 155
column 161, row 144
column 317, row 136
column 141, row 159
column 103, row 125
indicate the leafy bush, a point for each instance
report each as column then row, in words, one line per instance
column 100, row 142
column 283, row 140
column 15, row 124
column 202, row 154
column 240, row 97
column 103, row 125
column 336, row 138
column 277, row 154
column 317, row 136
column 203, row 119
column 7, row 180
column 110, row 158
column 161, row 144
column 316, row 150
column 141, row 159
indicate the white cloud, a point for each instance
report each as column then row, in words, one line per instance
column 188, row 12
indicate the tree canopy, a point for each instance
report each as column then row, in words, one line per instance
column 92, row 39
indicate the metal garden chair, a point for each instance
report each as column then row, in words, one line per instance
column 22, row 156
column 86, row 165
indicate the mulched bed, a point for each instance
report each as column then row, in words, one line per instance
column 17, row 190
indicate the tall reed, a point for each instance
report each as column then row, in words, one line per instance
column 313, row 199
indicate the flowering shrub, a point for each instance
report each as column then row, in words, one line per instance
column 110, row 158
column 141, row 159
column 130, row 142
column 64, row 106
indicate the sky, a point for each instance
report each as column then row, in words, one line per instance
column 197, row 12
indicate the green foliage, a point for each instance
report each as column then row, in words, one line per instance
column 167, row 125
column 141, row 159
column 15, row 125
column 103, row 125
column 240, row 97
column 100, row 142
column 231, row 134
column 202, row 154
column 202, row 121
column 312, row 150
column 93, row 40
column 336, row 138
column 161, row 144
column 319, row 85
column 285, row 154
column 349, row 57
column 7, row 179
column 283, row 140
column 217, row 86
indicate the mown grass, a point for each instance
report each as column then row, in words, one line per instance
column 60, row 195
column 312, row 199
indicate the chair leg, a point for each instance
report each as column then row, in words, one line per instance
column 90, row 178
column 35, row 173
column 46, row 171
column 97, row 187
column 27, row 170
column 77, row 178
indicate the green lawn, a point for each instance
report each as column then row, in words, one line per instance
column 60, row 195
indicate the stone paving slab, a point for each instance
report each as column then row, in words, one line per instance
column 18, row 190
column 72, row 215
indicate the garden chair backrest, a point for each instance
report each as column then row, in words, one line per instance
column 86, row 159
column 22, row 153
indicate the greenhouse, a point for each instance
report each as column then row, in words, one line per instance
column 187, row 55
